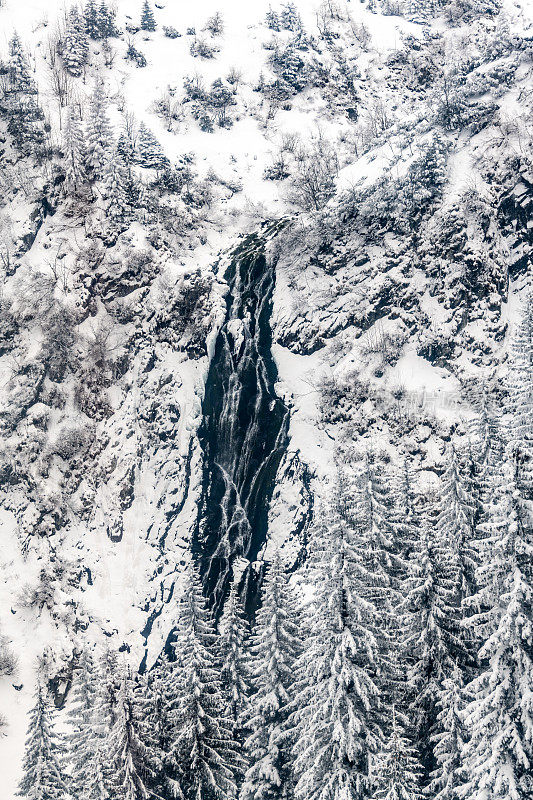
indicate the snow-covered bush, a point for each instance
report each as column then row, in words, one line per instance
column 182, row 319
column 59, row 338
column 132, row 54
column 219, row 100
column 215, row 25
column 171, row 32
column 71, row 443
column 8, row 660
column 202, row 49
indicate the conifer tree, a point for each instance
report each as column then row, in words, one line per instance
column 449, row 740
column 521, row 433
column 96, row 774
column 522, row 372
column 273, row 653
column 376, row 520
column 272, row 20
column 92, row 27
column 99, row 135
column 380, row 545
column 105, row 20
column 488, row 448
column 157, row 708
column 126, row 153
column 126, row 148
column 42, row 774
column 74, row 150
column 485, row 430
column 431, row 644
column 149, row 152
column 115, row 190
column 498, row 756
column 336, row 722
column 290, row 18
column 98, row 779
column 203, row 758
column 234, row 632
column 81, row 741
column 18, row 71
column 133, row 763
column 455, row 524
column 396, row 770
column 75, row 48
column 107, row 690
column 148, row 22
column 24, row 114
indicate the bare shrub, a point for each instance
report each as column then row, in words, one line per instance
column 313, row 181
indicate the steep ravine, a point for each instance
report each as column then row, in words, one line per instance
column 244, row 429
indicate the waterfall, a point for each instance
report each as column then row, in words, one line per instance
column 244, row 428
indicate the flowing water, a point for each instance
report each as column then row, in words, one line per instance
column 244, row 428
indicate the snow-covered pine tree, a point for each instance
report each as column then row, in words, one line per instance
column 522, row 373
column 406, row 526
column 290, row 18
column 126, row 148
column 98, row 773
column 18, row 71
column 81, row 741
column 274, row 649
column 74, row 151
column 203, row 758
column 108, row 685
column 498, row 756
column 521, row 434
column 288, row 65
column 396, row 768
column 99, row 133
column 234, row 631
column 43, row 778
column 156, row 706
column 377, row 524
column 484, row 431
column 75, row 48
column 335, row 724
column 149, row 152
column 144, row 202
column 98, row 779
column 20, row 96
column 115, row 192
column 407, row 531
column 133, row 764
column 105, row 21
column 487, row 436
column 380, row 545
column 449, row 741
column 431, row 645
column 148, row 22
column 90, row 16
column 455, row 527
column 272, row 20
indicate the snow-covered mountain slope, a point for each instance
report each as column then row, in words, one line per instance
column 391, row 143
